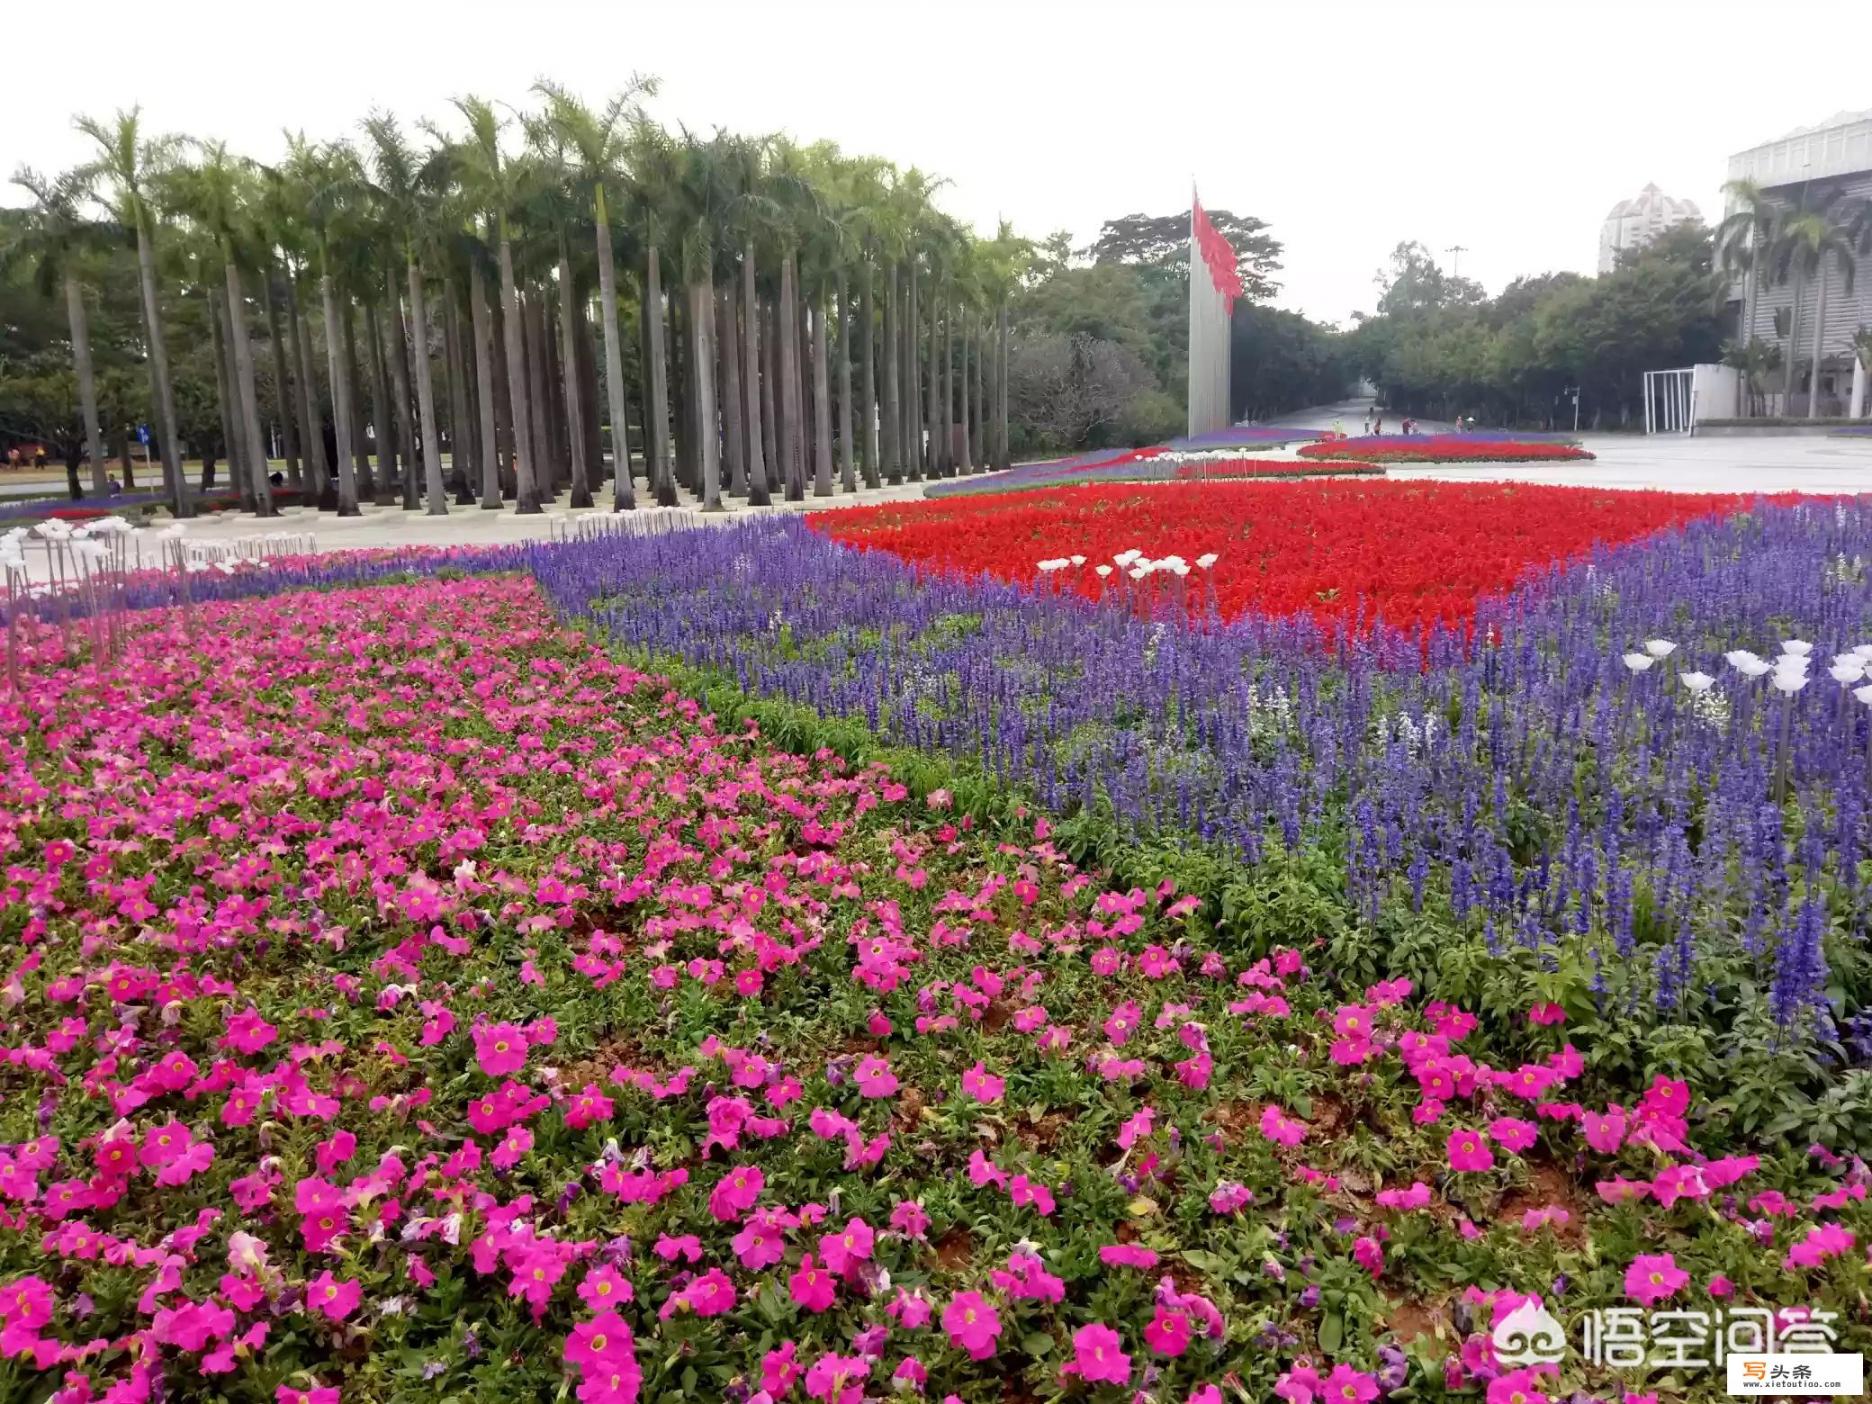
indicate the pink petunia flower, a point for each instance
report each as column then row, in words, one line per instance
column 1653, row 1277
column 1098, row 1356
column 1468, row 1151
column 973, row 1324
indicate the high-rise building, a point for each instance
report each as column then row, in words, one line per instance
column 1826, row 167
column 1633, row 223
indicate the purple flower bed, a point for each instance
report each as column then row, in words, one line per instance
column 1613, row 829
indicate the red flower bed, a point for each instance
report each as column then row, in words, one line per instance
column 1202, row 471
column 1445, row 448
column 1415, row 553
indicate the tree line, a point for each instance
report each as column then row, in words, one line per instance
column 524, row 289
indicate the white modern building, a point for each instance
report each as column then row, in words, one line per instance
column 1633, row 223
column 1831, row 157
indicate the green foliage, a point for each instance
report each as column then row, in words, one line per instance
column 1438, row 348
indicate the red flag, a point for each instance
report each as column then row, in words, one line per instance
column 1217, row 254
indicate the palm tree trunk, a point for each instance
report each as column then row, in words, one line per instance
column 758, row 454
column 967, row 464
column 913, row 357
column 341, row 400
column 1819, row 328
column 980, row 402
column 893, row 401
column 249, row 396
column 769, row 378
column 317, row 471
column 847, row 476
column 87, row 382
column 663, row 485
column 936, row 429
column 402, row 352
column 867, row 345
column 948, row 389
column 282, row 388
column 591, row 390
column 702, row 355
column 1001, row 394
column 526, row 491
column 543, row 414
column 789, row 408
column 123, row 459
column 574, row 391
column 734, row 406
column 159, row 374
column 490, row 457
column 1793, row 340
column 624, row 495
column 822, row 402
column 219, row 338
column 456, row 352
column 358, row 448
column 434, row 490
column 682, row 395
column 380, row 486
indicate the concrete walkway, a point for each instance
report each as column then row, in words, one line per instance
column 1768, row 463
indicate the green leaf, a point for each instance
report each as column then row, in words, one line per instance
column 1332, row 1333
column 1037, row 1343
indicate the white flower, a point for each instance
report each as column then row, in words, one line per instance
column 1790, row 683
column 1863, row 650
column 1800, row 648
column 1138, row 572
column 1207, row 559
column 1103, row 571
column 1696, row 682
column 1124, row 558
column 1180, row 568
column 1660, row 648
column 1638, row 662
column 1796, row 663
column 1747, row 664
column 1077, row 560
column 1050, row 566
column 1847, row 673
column 1864, row 694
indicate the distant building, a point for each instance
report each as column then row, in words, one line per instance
column 1832, row 156
column 1633, row 223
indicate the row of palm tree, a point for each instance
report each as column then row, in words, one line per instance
column 506, row 265
column 1774, row 242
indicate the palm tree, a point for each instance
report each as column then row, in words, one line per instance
column 493, row 180
column 596, row 144
column 1806, row 240
column 217, row 194
column 407, row 189
column 324, row 179
column 1743, row 240
column 56, row 237
column 126, row 160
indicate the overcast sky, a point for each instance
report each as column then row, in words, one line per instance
column 1510, row 127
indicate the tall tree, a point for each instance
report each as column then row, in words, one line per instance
column 125, row 162
column 55, row 238
column 596, row 144
column 325, row 178
column 217, row 193
column 490, row 175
